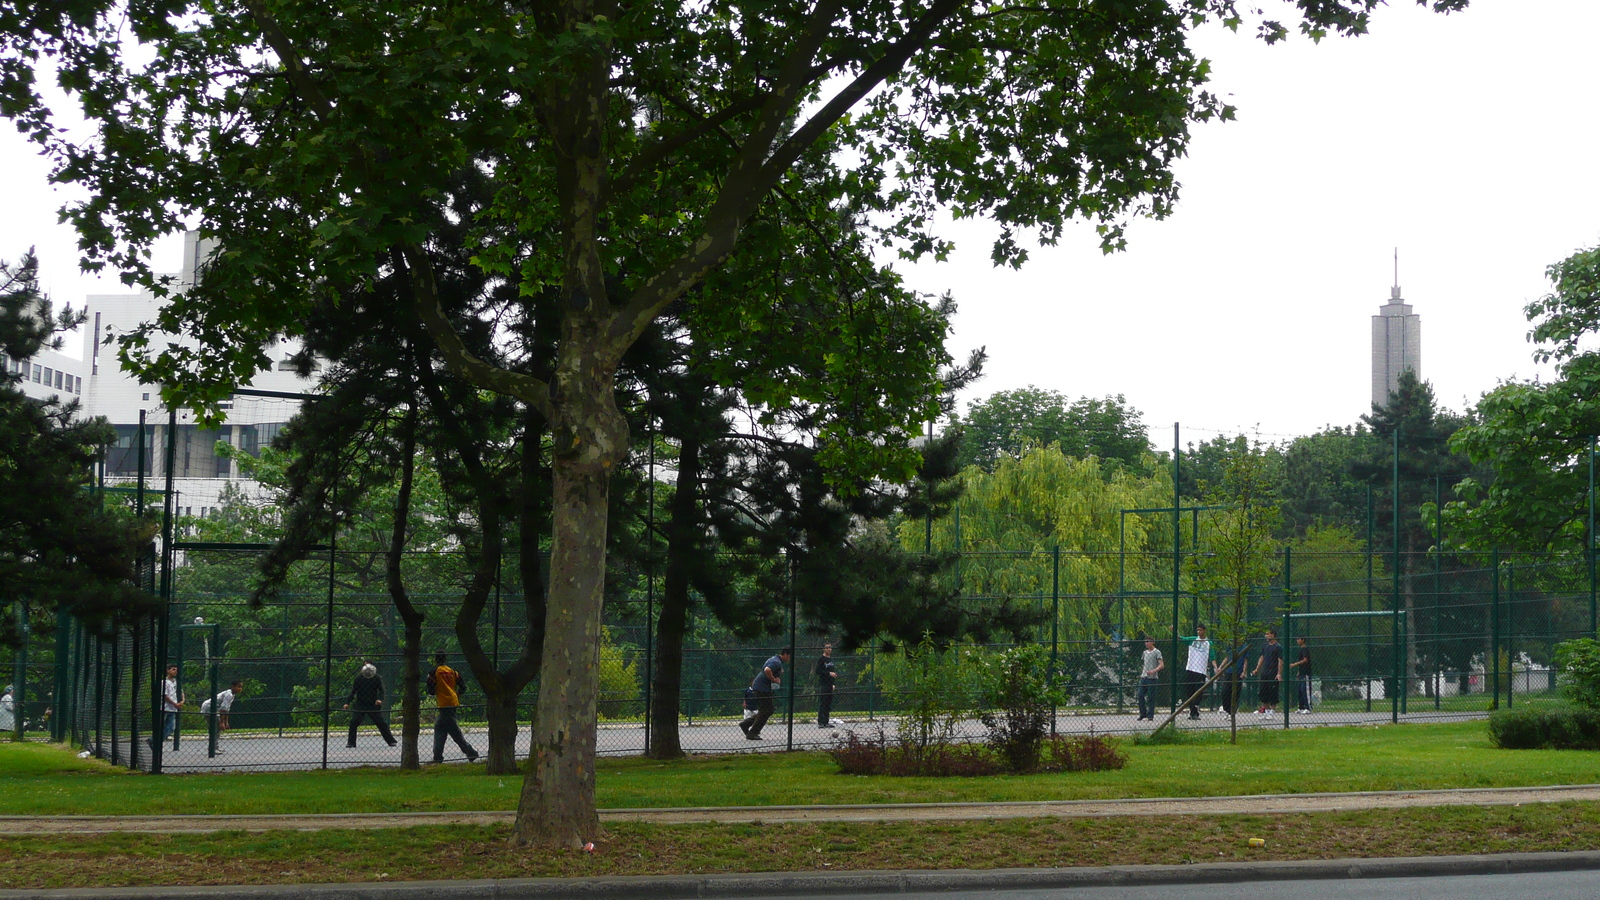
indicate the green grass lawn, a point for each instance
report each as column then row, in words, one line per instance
column 41, row 780
column 631, row 848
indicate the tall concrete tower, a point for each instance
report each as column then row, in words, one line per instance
column 1396, row 342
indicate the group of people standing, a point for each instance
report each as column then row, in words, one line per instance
column 1229, row 669
column 760, row 698
column 365, row 703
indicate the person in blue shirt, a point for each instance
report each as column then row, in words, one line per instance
column 765, row 686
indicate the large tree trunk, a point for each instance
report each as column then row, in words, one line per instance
column 411, row 696
column 557, row 805
column 410, row 682
column 501, row 708
column 670, row 626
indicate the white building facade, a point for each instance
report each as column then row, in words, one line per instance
column 102, row 388
column 1396, row 346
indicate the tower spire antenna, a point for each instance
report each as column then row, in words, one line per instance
column 1394, row 292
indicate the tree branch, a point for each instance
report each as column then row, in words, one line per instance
column 750, row 181
column 425, row 299
column 275, row 37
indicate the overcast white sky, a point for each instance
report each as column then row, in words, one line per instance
column 1467, row 141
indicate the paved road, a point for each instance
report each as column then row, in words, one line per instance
column 1522, row 886
column 292, row 752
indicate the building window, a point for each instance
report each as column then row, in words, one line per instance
column 59, row 378
column 49, row 376
column 36, row 370
column 147, row 395
column 122, row 457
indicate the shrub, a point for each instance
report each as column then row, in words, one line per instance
column 878, row 755
column 1018, row 696
column 1579, row 664
column 931, row 691
column 1544, row 728
column 856, row 755
column 1082, row 753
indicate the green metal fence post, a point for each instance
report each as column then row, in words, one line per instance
column 1177, row 526
column 1438, row 572
column 1285, row 681
column 1511, row 632
column 1366, row 674
column 794, row 665
column 215, row 719
column 1396, row 646
column 1055, row 633
column 1288, row 641
column 1594, row 627
column 59, row 704
column 1494, row 628
column 327, row 643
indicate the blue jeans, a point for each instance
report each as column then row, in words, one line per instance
column 1147, row 697
column 1305, row 693
column 169, row 723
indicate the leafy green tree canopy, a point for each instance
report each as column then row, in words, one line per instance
column 1533, row 437
column 59, row 549
column 1008, row 422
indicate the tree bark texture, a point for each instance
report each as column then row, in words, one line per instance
column 557, row 805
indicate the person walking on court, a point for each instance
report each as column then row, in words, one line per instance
column 1150, row 666
column 446, row 684
column 8, row 710
column 366, row 695
column 219, row 706
column 826, row 676
column 1195, row 668
column 1303, row 676
column 1270, row 667
column 171, row 703
column 765, row 687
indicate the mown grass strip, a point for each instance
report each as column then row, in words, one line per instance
column 36, row 780
column 293, row 857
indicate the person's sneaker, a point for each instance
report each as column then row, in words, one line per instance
column 1305, row 712
column 751, row 737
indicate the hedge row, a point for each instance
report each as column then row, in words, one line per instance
column 1546, row 728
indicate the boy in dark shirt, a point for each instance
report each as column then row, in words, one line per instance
column 1303, row 676
column 826, row 675
column 1272, row 678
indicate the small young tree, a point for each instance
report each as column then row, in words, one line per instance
column 1241, row 551
column 1017, row 697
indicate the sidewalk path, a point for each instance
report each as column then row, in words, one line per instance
column 1263, row 804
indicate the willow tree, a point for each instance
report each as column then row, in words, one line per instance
column 634, row 146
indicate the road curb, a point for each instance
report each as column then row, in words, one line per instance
column 865, row 882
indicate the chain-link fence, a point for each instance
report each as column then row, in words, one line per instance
column 1387, row 638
